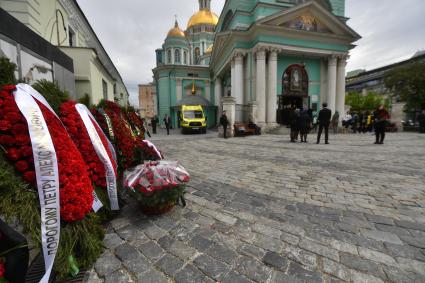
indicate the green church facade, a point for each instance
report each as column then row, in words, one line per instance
column 269, row 56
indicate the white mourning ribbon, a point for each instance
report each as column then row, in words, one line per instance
column 111, row 179
column 111, row 147
column 97, row 204
column 31, row 91
column 154, row 148
column 47, row 173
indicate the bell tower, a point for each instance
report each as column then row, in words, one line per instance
column 204, row 5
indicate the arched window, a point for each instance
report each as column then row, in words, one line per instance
column 169, row 56
column 197, row 56
column 185, row 57
column 177, row 56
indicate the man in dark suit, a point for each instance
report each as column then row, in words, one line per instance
column 167, row 122
column 324, row 120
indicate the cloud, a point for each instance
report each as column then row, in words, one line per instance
column 131, row 30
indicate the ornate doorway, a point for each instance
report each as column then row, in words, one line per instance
column 294, row 92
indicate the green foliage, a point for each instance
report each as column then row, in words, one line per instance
column 409, row 83
column 360, row 103
column 131, row 109
column 85, row 100
column 18, row 201
column 53, row 94
column 7, row 72
column 160, row 199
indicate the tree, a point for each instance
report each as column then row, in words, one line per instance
column 360, row 103
column 408, row 82
column 51, row 91
column 7, row 72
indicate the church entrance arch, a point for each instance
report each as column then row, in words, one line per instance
column 294, row 92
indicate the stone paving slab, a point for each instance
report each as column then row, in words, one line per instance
column 260, row 209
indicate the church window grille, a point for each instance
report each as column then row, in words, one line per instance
column 177, row 56
column 169, row 56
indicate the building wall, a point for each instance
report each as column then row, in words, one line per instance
column 44, row 18
column 147, row 99
column 312, row 67
column 89, row 73
column 98, row 75
column 36, row 59
column 40, row 16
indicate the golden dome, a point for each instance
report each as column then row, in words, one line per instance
column 209, row 49
column 203, row 17
column 176, row 31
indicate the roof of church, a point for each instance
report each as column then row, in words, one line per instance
column 193, row 100
column 203, row 17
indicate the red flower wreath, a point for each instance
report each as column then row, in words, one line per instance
column 76, row 190
column 146, row 152
column 75, row 125
column 137, row 123
column 124, row 141
column 2, row 269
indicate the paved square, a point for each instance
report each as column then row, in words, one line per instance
column 261, row 209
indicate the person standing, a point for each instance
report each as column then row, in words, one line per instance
column 167, row 122
column 381, row 120
column 295, row 114
column 421, row 120
column 154, row 122
column 224, row 122
column 324, row 120
column 335, row 122
column 304, row 123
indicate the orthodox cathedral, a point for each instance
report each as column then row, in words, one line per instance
column 261, row 57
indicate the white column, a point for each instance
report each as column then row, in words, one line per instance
column 232, row 79
column 272, row 91
column 261, row 86
column 331, row 83
column 218, row 96
column 217, row 92
column 239, row 78
column 172, row 56
column 229, row 105
column 323, row 81
column 179, row 89
column 340, row 87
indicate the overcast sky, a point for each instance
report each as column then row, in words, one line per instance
column 131, row 30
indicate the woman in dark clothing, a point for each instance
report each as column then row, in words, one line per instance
column 303, row 125
column 381, row 119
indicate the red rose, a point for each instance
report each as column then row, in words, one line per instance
column 5, row 125
column 2, row 268
column 21, row 166
column 30, row 177
column 9, row 88
column 13, row 154
column 26, row 151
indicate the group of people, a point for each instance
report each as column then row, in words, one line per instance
column 377, row 120
column 166, row 120
column 359, row 122
column 302, row 121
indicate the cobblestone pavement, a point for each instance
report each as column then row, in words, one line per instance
column 261, row 209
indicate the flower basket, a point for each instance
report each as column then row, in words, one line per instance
column 156, row 186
